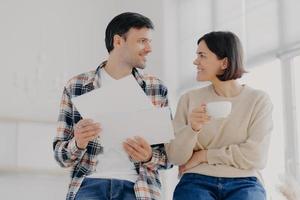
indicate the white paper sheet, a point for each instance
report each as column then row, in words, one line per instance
column 124, row 110
column 124, row 95
column 154, row 125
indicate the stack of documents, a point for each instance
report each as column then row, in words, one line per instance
column 124, row 111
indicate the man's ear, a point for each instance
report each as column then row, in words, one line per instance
column 117, row 41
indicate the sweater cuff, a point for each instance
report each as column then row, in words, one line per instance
column 189, row 133
column 75, row 152
column 213, row 156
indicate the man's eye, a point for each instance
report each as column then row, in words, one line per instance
column 143, row 41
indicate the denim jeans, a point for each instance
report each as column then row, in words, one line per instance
column 199, row 187
column 105, row 189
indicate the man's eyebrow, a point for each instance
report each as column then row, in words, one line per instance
column 143, row 38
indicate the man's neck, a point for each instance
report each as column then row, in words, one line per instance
column 117, row 70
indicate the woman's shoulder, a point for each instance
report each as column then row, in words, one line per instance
column 258, row 94
column 198, row 91
column 255, row 91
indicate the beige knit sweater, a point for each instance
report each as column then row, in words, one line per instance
column 237, row 145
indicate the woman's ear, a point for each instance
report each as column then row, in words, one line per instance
column 224, row 63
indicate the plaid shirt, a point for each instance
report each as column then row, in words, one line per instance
column 83, row 162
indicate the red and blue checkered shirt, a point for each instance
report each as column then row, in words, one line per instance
column 84, row 162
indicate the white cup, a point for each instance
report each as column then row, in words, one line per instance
column 218, row 109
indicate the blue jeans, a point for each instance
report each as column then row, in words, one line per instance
column 105, row 189
column 199, row 187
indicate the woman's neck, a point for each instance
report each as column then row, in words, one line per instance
column 230, row 88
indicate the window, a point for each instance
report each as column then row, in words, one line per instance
column 267, row 77
column 297, row 92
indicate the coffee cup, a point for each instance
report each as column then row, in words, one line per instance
column 218, row 109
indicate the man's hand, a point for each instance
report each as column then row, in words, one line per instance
column 198, row 117
column 197, row 158
column 86, row 130
column 138, row 149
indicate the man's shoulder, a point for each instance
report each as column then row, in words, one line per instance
column 82, row 79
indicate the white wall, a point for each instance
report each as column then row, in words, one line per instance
column 27, row 145
column 27, row 166
column 45, row 43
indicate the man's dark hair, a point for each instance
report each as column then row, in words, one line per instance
column 121, row 24
column 226, row 45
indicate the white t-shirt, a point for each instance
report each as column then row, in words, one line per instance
column 114, row 163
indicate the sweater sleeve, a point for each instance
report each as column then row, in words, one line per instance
column 180, row 149
column 251, row 154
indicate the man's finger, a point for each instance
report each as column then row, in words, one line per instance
column 84, row 122
column 136, row 146
column 91, row 134
column 135, row 155
column 129, row 150
column 142, row 142
column 91, row 127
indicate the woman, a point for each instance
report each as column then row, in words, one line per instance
column 220, row 158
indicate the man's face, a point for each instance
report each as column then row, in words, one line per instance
column 136, row 47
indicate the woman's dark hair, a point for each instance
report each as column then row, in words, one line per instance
column 121, row 24
column 226, row 45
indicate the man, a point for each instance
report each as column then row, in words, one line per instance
column 99, row 173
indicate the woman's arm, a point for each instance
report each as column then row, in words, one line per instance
column 180, row 149
column 253, row 152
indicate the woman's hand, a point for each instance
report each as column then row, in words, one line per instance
column 197, row 158
column 198, row 117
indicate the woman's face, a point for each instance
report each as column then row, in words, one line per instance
column 208, row 64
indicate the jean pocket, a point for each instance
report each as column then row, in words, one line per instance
column 255, row 181
column 251, row 178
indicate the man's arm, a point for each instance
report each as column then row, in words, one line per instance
column 71, row 141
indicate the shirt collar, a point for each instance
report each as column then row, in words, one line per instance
column 96, row 79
